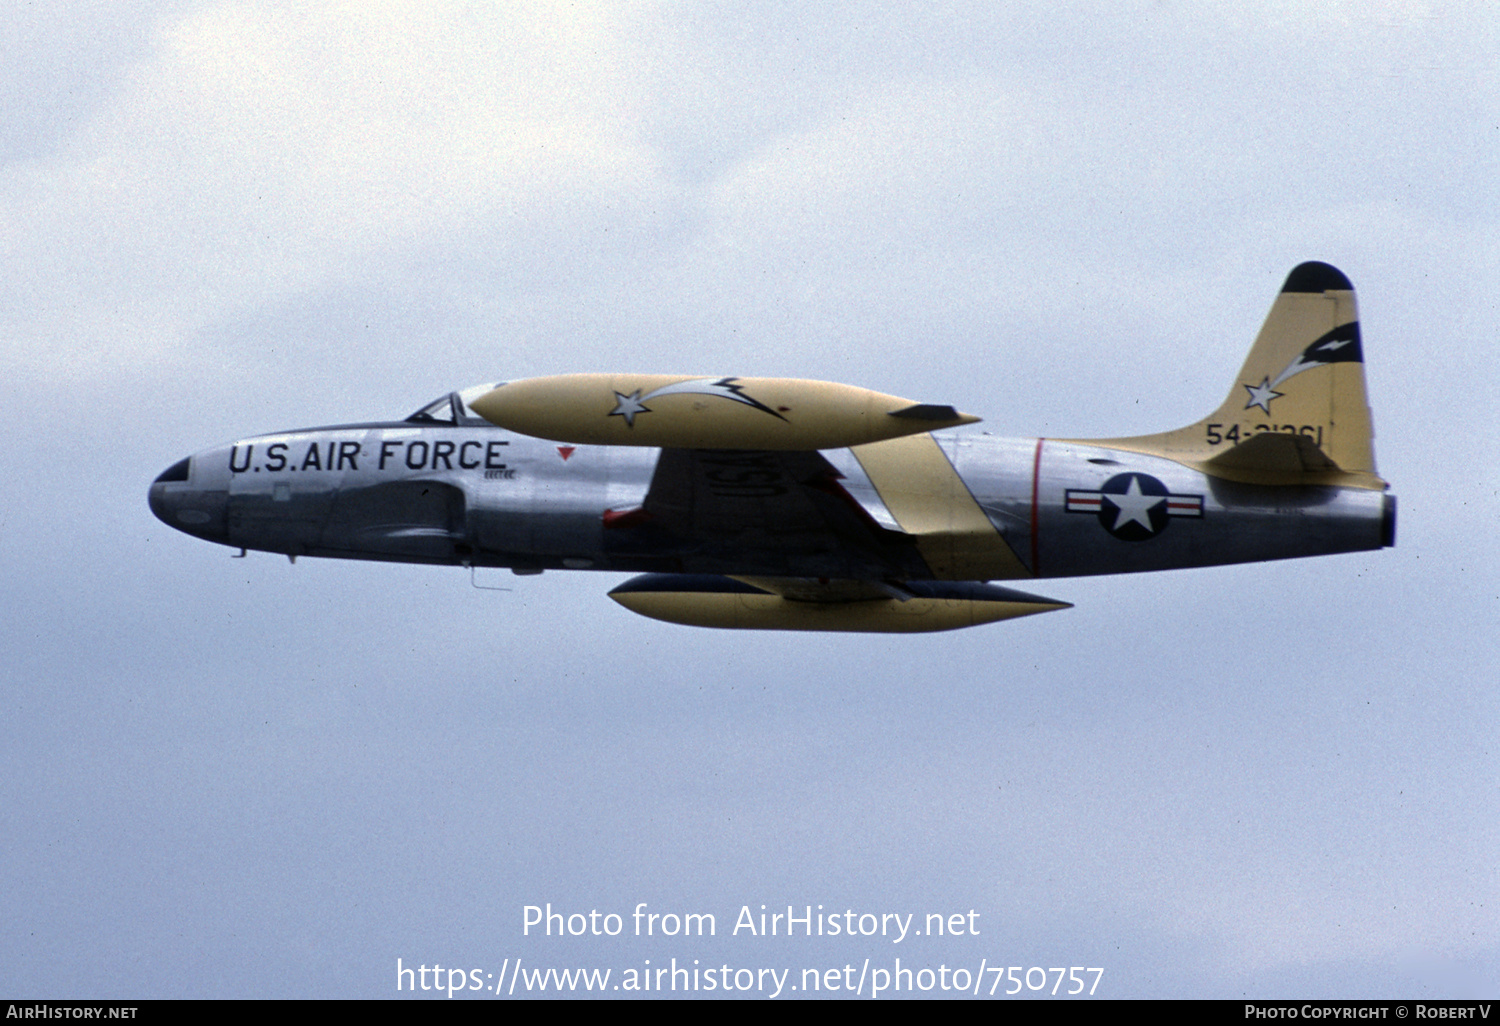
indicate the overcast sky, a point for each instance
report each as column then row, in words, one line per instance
column 246, row 778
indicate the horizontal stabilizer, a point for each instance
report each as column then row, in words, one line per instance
column 1273, row 459
column 788, row 604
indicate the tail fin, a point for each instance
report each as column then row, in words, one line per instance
column 1297, row 413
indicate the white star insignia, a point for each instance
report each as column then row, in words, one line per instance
column 1134, row 506
column 628, row 406
column 1262, row 394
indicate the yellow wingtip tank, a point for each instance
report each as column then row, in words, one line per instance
column 676, row 411
column 740, row 604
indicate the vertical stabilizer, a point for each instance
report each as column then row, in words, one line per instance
column 1297, row 413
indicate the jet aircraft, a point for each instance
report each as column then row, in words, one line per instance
column 802, row 505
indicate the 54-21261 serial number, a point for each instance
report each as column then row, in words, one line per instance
column 1236, row 433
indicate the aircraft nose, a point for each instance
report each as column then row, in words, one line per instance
column 189, row 505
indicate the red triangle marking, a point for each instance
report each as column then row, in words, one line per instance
column 566, row 450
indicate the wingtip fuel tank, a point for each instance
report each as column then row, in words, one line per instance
column 675, row 411
column 708, row 600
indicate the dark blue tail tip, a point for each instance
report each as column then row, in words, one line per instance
column 1316, row 277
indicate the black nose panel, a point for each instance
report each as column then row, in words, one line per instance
column 200, row 512
column 176, row 472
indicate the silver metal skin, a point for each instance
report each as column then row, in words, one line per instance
column 457, row 491
column 1238, row 523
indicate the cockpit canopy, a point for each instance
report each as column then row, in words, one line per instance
column 453, row 408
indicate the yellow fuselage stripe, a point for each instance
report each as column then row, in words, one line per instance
column 917, row 483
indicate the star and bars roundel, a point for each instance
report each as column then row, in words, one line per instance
column 1134, row 507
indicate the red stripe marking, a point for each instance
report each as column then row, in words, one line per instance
column 625, row 517
column 1036, row 473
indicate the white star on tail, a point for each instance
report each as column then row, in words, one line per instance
column 1262, row 394
column 1134, row 506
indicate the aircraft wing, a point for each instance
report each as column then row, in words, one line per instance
column 753, row 519
column 776, row 514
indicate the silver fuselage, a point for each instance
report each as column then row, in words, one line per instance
column 468, row 493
